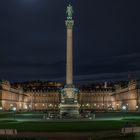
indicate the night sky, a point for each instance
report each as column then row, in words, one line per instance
column 33, row 40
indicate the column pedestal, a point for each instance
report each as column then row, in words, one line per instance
column 69, row 107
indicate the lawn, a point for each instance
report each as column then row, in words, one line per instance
column 51, row 126
column 63, row 126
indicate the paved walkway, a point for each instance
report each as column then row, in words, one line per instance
column 69, row 135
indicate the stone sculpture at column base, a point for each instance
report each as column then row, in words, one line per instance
column 69, row 107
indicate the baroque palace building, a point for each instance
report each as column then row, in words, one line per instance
column 40, row 95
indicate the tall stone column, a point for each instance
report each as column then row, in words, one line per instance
column 69, row 65
column 69, row 106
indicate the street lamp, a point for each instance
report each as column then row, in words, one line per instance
column 25, row 107
column 124, row 110
column 137, row 107
column 1, row 108
column 117, row 106
column 30, row 106
column 14, row 111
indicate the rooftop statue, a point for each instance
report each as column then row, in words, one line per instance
column 69, row 11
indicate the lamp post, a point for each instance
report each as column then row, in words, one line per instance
column 14, row 112
column 117, row 106
column 124, row 110
column 137, row 108
column 1, row 108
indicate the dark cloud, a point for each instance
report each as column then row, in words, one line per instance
column 33, row 39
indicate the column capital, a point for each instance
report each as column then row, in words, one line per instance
column 69, row 24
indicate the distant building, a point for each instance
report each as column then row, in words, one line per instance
column 11, row 98
column 38, row 95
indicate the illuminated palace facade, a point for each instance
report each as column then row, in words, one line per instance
column 48, row 98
